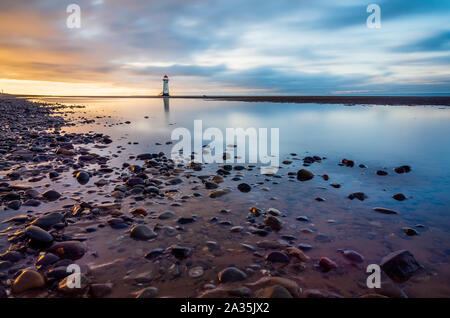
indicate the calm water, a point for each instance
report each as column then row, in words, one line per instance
column 379, row 137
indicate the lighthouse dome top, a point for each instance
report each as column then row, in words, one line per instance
column 165, row 76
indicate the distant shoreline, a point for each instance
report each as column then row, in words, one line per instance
column 346, row 100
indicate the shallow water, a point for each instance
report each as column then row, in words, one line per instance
column 381, row 137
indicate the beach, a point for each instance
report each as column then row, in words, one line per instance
column 91, row 182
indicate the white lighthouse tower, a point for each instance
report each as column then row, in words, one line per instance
column 165, row 85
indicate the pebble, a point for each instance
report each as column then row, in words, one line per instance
column 327, row 264
column 196, row 272
column 274, row 222
column 142, row 232
column 274, row 212
column 402, row 169
column 38, row 235
column 148, row 292
column 302, row 218
column 399, row 197
column 51, row 195
column 357, row 195
column 100, row 290
column 68, row 250
column 82, row 177
column 305, row 246
column 231, row 274
column 28, row 279
column 244, row 187
column 304, row 175
column 352, row 255
column 400, row 265
column 277, row 257
column 384, row 210
column 180, row 252
column 166, row 215
column 139, row 212
column 48, row 220
column 410, row 231
column 276, row 291
column 186, row 220
column 47, row 259
column 295, row 252
column 154, row 253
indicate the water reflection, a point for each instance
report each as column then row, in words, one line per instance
column 166, row 104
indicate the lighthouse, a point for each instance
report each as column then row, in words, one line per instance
column 165, row 85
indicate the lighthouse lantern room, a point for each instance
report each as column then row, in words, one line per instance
column 165, row 85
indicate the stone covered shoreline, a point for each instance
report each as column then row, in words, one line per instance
column 41, row 236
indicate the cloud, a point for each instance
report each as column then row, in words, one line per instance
column 252, row 46
column 435, row 42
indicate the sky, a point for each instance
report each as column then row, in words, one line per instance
column 225, row 47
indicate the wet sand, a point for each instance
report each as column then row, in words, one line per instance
column 111, row 206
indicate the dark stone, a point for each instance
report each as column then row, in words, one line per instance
column 384, row 211
column 32, row 202
column 68, row 250
column 403, row 169
column 244, row 187
column 38, row 235
column 82, row 177
column 357, row 195
column 211, row 185
column 154, row 253
column 277, row 257
column 51, row 195
column 305, row 246
column 274, row 222
column 142, row 232
column 410, row 231
column 180, row 252
column 348, row 163
column 352, row 256
column 275, row 291
column 186, row 220
column 327, row 264
column 47, row 259
column 231, row 274
column 399, row 197
column 381, row 173
column 14, row 205
column 304, row 175
column 48, row 220
column 302, row 218
column 400, row 265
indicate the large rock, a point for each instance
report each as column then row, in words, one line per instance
column 276, row 291
column 231, row 274
column 70, row 249
column 38, row 235
column 400, row 265
column 29, row 279
column 51, row 195
column 82, row 177
column 304, row 175
column 274, row 222
column 48, row 220
column 268, row 281
column 142, row 232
